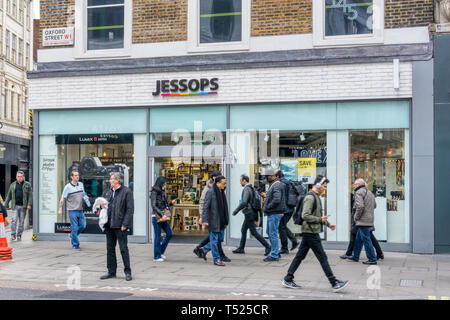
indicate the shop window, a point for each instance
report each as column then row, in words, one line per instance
column 348, row 22
column 105, row 24
column 379, row 157
column 219, row 25
column 95, row 157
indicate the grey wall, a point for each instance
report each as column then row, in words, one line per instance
column 422, row 149
column 442, row 143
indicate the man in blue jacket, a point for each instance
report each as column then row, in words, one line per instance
column 274, row 207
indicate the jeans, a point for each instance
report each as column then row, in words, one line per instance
column 311, row 241
column 249, row 223
column 273, row 223
column 374, row 241
column 160, row 247
column 214, row 239
column 112, row 237
column 78, row 224
column 205, row 241
column 17, row 220
column 284, row 231
column 363, row 238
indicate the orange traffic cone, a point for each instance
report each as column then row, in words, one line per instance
column 5, row 251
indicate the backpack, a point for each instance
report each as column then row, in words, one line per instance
column 297, row 216
column 295, row 190
column 255, row 203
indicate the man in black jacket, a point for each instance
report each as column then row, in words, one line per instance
column 215, row 217
column 250, row 216
column 120, row 218
column 274, row 208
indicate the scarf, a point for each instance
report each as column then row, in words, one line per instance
column 222, row 205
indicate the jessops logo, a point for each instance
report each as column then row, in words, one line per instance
column 186, row 87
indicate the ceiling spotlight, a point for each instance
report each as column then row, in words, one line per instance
column 380, row 135
column 302, row 137
column 175, row 139
column 266, row 138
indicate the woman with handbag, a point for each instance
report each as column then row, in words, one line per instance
column 160, row 217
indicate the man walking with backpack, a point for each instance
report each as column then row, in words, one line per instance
column 309, row 214
column 249, row 206
column 291, row 200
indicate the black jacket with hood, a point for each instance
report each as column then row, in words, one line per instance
column 158, row 197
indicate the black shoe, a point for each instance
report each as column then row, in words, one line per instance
column 284, row 251
column 267, row 252
column 239, row 250
column 351, row 258
column 290, row 284
column 294, row 245
column 128, row 277
column 202, row 253
column 344, row 256
column 107, row 276
column 225, row 259
column 369, row 262
column 380, row 257
column 339, row 285
column 197, row 252
column 270, row 259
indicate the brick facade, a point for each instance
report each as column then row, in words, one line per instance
column 281, row 17
column 408, row 13
column 166, row 20
column 159, row 20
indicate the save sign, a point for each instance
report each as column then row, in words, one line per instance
column 306, row 170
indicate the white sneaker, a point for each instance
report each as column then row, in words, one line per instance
column 163, row 256
column 159, row 260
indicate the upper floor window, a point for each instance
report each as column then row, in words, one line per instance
column 348, row 22
column 219, row 25
column 103, row 28
column 105, row 24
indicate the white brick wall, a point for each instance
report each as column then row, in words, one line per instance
column 316, row 83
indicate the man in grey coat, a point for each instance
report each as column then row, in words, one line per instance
column 364, row 207
column 250, row 216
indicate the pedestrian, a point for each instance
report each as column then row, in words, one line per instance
column 197, row 251
column 74, row 195
column 274, row 208
column 311, row 211
column 283, row 229
column 160, row 204
column 353, row 231
column 215, row 217
column 19, row 200
column 364, row 207
column 250, row 216
column 120, row 219
column 4, row 211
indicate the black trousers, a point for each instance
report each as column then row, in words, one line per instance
column 205, row 241
column 311, row 241
column 112, row 237
column 351, row 244
column 249, row 223
column 284, row 231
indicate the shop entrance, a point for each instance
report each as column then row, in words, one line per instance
column 186, row 180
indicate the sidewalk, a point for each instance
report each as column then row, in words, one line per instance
column 38, row 264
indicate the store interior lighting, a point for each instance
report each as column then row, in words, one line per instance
column 302, row 137
column 266, row 138
column 380, row 135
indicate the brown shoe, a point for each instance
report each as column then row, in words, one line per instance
column 219, row 263
column 203, row 253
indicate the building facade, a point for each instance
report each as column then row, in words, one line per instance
column 16, row 43
column 182, row 88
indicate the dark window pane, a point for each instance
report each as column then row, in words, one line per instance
column 220, row 21
column 346, row 17
column 105, row 28
column 104, row 2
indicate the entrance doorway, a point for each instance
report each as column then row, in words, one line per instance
column 186, row 179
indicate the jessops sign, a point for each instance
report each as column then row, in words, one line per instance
column 186, row 87
column 57, row 37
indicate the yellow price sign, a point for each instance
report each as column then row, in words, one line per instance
column 306, row 170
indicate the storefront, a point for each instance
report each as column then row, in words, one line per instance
column 342, row 140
